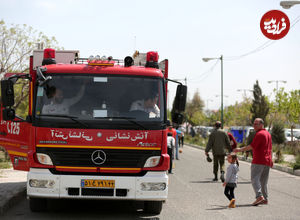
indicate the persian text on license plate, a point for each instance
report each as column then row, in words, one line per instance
column 98, row 183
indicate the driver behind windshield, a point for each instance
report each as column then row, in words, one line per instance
column 147, row 105
column 58, row 104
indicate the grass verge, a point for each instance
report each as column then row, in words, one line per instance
column 4, row 162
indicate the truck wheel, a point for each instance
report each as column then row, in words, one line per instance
column 37, row 204
column 153, row 207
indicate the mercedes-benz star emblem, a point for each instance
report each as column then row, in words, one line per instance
column 98, row 157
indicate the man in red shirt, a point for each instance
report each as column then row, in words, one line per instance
column 262, row 161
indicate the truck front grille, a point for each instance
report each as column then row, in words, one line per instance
column 83, row 157
column 97, row 192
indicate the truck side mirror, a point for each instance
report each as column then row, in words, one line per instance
column 177, row 118
column 180, row 98
column 179, row 104
column 7, row 93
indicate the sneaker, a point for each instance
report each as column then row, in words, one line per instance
column 232, row 203
column 222, row 177
column 265, row 202
column 215, row 179
column 258, row 201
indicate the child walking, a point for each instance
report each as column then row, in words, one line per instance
column 231, row 178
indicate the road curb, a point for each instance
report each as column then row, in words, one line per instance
column 275, row 166
column 11, row 199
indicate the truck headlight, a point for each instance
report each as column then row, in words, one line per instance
column 153, row 186
column 41, row 183
column 44, row 159
column 152, row 161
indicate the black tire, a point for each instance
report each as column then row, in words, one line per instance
column 153, row 207
column 38, row 204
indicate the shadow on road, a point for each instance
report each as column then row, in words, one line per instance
column 247, row 182
column 219, row 207
column 211, row 181
column 205, row 181
column 245, row 205
column 100, row 208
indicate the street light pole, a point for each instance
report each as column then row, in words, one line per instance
column 220, row 58
column 277, row 81
column 288, row 4
column 222, row 110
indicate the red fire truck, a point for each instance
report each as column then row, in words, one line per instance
column 94, row 128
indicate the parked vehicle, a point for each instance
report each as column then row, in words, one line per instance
column 288, row 134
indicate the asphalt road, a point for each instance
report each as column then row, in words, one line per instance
column 192, row 195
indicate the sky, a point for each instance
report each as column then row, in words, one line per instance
column 183, row 32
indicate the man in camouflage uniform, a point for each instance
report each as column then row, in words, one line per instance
column 217, row 142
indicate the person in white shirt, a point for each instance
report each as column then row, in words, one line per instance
column 60, row 105
column 147, row 105
column 171, row 146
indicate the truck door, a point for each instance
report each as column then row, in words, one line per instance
column 15, row 135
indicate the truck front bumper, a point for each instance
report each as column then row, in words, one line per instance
column 152, row 186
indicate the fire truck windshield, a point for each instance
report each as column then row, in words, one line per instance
column 96, row 100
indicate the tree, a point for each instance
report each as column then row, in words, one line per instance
column 277, row 133
column 194, row 110
column 238, row 114
column 16, row 45
column 289, row 105
column 260, row 107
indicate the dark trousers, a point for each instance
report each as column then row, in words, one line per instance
column 170, row 152
column 219, row 160
column 229, row 192
column 181, row 141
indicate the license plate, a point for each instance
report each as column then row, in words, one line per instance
column 97, row 183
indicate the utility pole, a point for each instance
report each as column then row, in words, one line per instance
column 222, row 110
column 219, row 58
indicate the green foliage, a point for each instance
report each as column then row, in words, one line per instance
column 194, row 110
column 250, row 137
column 288, row 104
column 212, row 118
column 238, row 114
column 16, row 45
column 4, row 160
column 5, row 165
column 196, row 140
column 297, row 163
column 169, row 115
column 278, row 149
column 291, row 148
column 21, row 91
column 277, row 132
column 260, row 107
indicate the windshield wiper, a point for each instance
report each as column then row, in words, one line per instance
column 73, row 118
column 125, row 118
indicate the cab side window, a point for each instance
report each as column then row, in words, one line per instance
column 21, row 91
